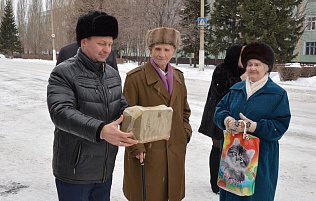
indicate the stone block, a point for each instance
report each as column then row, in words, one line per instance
column 148, row 123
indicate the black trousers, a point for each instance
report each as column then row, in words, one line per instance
column 214, row 167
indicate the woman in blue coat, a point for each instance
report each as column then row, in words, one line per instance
column 264, row 106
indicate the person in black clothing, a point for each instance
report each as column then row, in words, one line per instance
column 85, row 102
column 224, row 76
column 71, row 49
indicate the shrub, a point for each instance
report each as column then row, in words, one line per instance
column 307, row 71
column 289, row 71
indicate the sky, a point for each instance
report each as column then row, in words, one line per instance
column 26, row 136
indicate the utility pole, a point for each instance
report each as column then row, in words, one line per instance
column 53, row 34
column 201, row 52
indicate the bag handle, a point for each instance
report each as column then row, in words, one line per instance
column 245, row 135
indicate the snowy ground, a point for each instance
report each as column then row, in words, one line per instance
column 26, row 136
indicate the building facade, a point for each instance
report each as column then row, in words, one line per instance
column 306, row 47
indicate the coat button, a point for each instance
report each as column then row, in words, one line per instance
column 169, row 145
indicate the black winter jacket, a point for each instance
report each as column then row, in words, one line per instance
column 224, row 76
column 82, row 96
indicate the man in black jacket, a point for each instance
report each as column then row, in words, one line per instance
column 85, row 102
column 71, row 49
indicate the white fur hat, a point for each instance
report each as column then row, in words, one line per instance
column 163, row 35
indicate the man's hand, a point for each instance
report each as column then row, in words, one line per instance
column 113, row 135
column 141, row 157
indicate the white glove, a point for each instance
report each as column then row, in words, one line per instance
column 251, row 125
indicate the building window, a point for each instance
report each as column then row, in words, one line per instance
column 311, row 23
column 310, row 48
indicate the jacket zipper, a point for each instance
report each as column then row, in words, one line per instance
column 77, row 160
column 107, row 120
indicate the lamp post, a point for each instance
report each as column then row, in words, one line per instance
column 201, row 51
column 53, row 34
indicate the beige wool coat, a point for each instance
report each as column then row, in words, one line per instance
column 165, row 160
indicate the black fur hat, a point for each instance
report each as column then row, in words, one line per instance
column 260, row 51
column 96, row 24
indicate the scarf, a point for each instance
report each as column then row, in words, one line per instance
column 167, row 79
column 253, row 87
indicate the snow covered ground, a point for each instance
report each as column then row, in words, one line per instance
column 26, row 136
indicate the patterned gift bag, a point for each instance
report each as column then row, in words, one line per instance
column 239, row 163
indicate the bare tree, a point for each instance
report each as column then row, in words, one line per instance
column 66, row 14
column 34, row 28
column 22, row 21
column 163, row 13
column 132, row 28
column 135, row 18
column 64, row 22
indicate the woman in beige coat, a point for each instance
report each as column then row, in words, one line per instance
column 152, row 84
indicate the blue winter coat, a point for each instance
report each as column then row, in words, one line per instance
column 269, row 107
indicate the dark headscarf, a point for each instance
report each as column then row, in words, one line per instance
column 232, row 58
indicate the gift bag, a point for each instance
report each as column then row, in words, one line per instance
column 239, row 163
